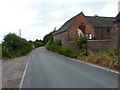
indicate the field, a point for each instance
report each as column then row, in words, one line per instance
column 0, row 51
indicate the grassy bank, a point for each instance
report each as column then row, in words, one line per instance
column 109, row 58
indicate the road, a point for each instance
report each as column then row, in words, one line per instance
column 49, row 70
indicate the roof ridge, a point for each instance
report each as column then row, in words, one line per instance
column 102, row 21
column 117, row 18
column 67, row 23
column 101, row 16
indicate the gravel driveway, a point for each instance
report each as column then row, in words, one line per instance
column 12, row 71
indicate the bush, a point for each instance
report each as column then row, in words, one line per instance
column 36, row 44
column 69, row 52
column 108, row 58
column 80, row 40
column 83, row 51
column 53, row 46
column 56, row 46
column 14, row 46
column 48, row 37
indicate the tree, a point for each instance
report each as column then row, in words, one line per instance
column 14, row 45
column 48, row 37
column 80, row 40
column 37, row 43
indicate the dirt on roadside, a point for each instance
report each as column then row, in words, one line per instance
column 12, row 71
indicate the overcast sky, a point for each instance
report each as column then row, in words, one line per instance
column 36, row 18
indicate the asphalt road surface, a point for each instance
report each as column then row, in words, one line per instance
column 49, row 70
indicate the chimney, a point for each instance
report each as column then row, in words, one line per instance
column 96, row 16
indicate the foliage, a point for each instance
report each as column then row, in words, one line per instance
column 83, row 51
column 14, row 46
column 48, row 37
column 53, row 46
column 80, row 40
column 56, row 46
column 109, row 58
column 67, row 51
column 37, row 43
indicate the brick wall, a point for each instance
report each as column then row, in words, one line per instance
column 64, row 39
column 118, row 28
column 115, row 36
column 102, row 33
column 97, row 45
column 67, row 37
column 81, row 19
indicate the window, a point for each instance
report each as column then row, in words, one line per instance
column 80, row 32
column 89, row 36
column 82, row 28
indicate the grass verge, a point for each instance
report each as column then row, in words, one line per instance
column 109, row 58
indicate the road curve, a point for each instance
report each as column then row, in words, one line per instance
column 49, row 70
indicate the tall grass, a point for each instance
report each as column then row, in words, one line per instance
column 108, row 58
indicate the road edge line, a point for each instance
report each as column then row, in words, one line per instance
column 23, row 76
column 100, row 67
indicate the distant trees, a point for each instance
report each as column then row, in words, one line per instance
column 13, row 46
column 36, row 43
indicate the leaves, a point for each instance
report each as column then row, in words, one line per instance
column 80, row 40
column 14, row 45
column 48, row 37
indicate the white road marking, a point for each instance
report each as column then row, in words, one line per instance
column 95, row 66
column 20, row 86
column 88, row 63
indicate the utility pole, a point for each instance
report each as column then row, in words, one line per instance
column 55, row 29
column 20, row 32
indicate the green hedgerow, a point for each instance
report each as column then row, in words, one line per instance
column 14, row 46
column 57, row 46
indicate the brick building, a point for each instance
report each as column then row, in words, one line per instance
column 115, row 33
column 94, row 27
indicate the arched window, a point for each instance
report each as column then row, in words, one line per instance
column 82, row 28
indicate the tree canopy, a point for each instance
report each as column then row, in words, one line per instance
column 48, row 37
column 14, row 45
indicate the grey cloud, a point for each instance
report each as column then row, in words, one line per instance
column 69, row 9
